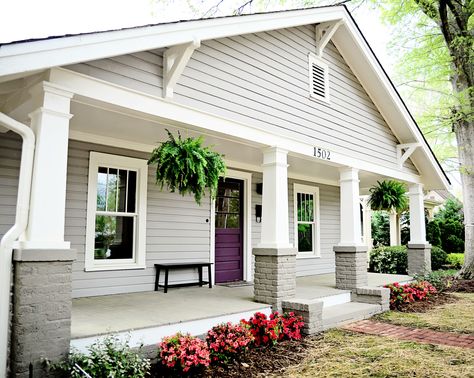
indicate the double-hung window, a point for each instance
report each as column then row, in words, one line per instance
column 307, row 220
column 116, row 212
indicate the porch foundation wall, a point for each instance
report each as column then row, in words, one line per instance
column 372, row 295
column 419, row 258
column 275, row 275
column 42, row 303
column 351, row 267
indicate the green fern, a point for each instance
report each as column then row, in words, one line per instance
column 185, row 166
column 388, row 195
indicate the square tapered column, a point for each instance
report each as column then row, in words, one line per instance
column 419, row 250
column 275, row 257
column 351, row 253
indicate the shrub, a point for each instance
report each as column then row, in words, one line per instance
column 110, row 357
column 388, row 260
column 438, row 258
column 441, row 279
column 401, row 295
column 184, row 353
column 265, row 331
column 226, row 341
column 456, row 260
column 290, row 324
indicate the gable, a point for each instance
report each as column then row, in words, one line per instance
column 262, row 79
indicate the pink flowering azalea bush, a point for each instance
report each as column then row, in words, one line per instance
column 401, row 295
column 290, row 325
column 226, row 341
column 184, row 353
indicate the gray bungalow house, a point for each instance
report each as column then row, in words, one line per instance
column 307, row 120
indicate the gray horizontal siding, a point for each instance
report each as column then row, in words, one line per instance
column 176, row 230
column 10, row 158
column 329, row 223
column 262, row 79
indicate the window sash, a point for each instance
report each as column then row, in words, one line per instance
column 306, row 212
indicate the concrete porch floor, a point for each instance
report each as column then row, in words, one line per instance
column 100, row 315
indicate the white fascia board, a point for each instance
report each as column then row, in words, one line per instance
column 43, row 54
column 177, row 115
column 368, row 70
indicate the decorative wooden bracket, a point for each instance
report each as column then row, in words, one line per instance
column 174, row 62
column 324, row 33
column 404, row 151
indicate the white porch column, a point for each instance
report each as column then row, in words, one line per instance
column 394, row 228
column 351, row 253
column 50, row 123
column 275, row 223
column 275, row 257
column 419, row 250
column 367, row 222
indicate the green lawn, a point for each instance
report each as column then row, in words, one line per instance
column 339, row 353
column 451, row 317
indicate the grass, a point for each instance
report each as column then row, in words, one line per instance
column 339, row 353
column 450, row 317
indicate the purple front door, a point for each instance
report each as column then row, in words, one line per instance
column 229, row 231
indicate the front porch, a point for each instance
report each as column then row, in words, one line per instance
column 149, row 316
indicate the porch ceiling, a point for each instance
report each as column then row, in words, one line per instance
column 107, row 124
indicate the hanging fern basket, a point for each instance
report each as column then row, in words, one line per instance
column 388, row 195
column 186, row 166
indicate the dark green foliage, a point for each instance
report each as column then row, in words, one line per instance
column 108, row 358
column 186, row 166
column 388, row 260
column 446, row 230
column 438, row 258
column 380, row 229
column 405, row 228
column 388, row 195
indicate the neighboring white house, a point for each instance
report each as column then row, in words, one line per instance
column 295, row 100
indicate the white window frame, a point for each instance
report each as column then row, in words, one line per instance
column 312, row 58
column 314, row 190
column 96, row 160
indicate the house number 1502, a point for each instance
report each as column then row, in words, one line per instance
column 322, row 154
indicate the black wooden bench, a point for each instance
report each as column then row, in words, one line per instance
column 167, row 266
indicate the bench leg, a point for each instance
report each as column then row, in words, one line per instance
column 209, row 275
column 166, row 280
column 157, row 279
column 200, row 276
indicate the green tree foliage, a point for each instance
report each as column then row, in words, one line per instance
column 380, row 228
column 446, row 230
column 186, row 166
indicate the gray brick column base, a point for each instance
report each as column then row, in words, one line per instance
column 373, row 295
column 275, row 275
column 419, row 258
column 312, row 312
column 41, row 323
column 351, row 267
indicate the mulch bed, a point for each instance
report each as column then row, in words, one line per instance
column 462, row 286
column 429, row 303
column 258, row 362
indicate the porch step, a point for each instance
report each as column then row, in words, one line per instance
column 336, row 299
column 334, row 316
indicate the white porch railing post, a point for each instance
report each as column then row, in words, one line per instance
column 419, row 250
column 275, row 257
column 50, row 123
column 394, row 228
column 351, row 253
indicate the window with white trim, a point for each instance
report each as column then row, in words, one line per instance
column 306, row 219
column 318, row 78
column 116, row 212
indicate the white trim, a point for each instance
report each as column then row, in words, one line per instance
column 37, row 55
column 314, row 190
column 180, row 114
column 314, row 59
column 246, row 177
column 324, row 32
column 409, row 149
column 97, row 159
column 153, row 335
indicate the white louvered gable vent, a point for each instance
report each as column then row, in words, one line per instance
column 318, row 78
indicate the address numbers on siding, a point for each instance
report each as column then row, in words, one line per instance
column 321, row 153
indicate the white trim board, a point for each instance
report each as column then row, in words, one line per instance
column 179, row 114
column 153, row 335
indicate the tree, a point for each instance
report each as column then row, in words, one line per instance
column 441, row 42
